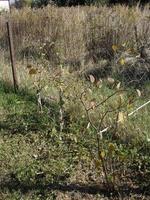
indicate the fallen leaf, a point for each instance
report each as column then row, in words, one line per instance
column 92, row 79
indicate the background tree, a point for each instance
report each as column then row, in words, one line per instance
column 41, row 3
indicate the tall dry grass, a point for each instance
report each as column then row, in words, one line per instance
column 75, row 33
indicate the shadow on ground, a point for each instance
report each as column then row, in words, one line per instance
column 75, row 187
column 23, row 93
column 30, row 118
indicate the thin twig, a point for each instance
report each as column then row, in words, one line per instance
column 87, row 111
column 105, row 100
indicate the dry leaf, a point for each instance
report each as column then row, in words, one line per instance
column 121, row 98
column 110, row 80
column 88, row 126
column 139, row 92
column 32, row 71
column 93, row 104
column 118, row 85
column 124, row 44
column 121, row 117
column 111, row 147
column 99, row 83
column 102, row 154
column 114, row 47
column 122, row 61
column 92, row 79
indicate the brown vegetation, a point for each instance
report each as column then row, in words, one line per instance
column 79, row 32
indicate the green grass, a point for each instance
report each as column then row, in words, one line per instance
column 39, row 162
column 29, row 153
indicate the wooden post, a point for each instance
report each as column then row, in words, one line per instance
column 9, row 6
column 12, row 55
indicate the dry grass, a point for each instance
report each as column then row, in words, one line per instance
column 77, row 36
column 75, row 31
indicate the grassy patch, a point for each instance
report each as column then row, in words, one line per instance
column 38, row 161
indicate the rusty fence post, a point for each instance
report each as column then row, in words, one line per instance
column 12, row 55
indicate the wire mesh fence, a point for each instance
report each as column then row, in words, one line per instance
column 81, row 38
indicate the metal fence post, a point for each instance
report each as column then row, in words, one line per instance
column 12, row 55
